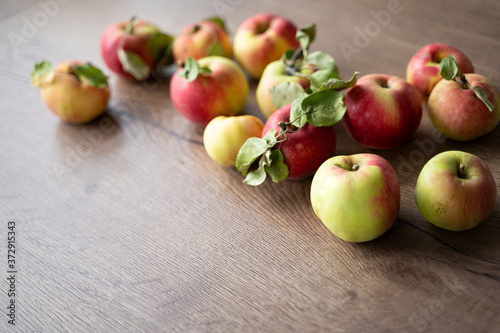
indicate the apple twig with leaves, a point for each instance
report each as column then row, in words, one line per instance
column 450, row 71
column 43, row 72
column 322, row 104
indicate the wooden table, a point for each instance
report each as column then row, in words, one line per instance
column 126, row 225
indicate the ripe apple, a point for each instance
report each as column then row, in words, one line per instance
column 455, row 110
column 224, row 136
column 219, row 88
column 200, row 40
column 357, row 197
column 304, row 150
column 383, row 111
column 455, row 191
column 135, row 49
column 262, row 39
column 274, row 74
column 423, row 69
column 75, row 91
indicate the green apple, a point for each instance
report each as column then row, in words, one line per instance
column 455, row 191
column 357, row 197
column 75, row 91
column 224, row 136
column 274, row 74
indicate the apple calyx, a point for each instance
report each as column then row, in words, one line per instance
column 191, row 69
column 450, row 71
column 43, row 73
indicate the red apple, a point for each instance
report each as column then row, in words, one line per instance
column 202, row 39
column 220, row 89
column 75, row 91
column 357, row 197
column 383, row 111
column 262, row 39
column 135, row 49
column 455, row 110
column 455, row 191
column 304, row 150
column 423, row 69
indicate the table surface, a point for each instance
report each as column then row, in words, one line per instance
column 126, row 225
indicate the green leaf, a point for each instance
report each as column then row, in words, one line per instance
column 288, row 55
column 297, row 114
column 481, row 94
column 40, row 72
column 133, row 64
column 306, row 36
column 320, row 78
column 217, row 20
column 449, row 69
column 251, row 150
column 277, row 170
column 321, row 60
column 270, row 138
column 95, row 76
column 161, row 48
column 191, row 70
column 285, row 93
column 334, row 84
column 215, row 49
column 324, row 108
column 257, row 176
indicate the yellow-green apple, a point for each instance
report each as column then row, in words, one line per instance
column 458, row 113
column 274, row 74
column 357, row 197
column 305, row 149
column 200, row 40
column 224, row 136
column 455, row 191
column 423, row 69
column 383, row 111
column 135, row 49
column 210, row 87
column 75, row 91
column 262, row 39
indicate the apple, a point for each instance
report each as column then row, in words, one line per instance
column 262, row 39
column 274, row 74
column 135, row 49
column 218, row 87
column 455, row 110
column 423, row 69
column 200, row 40
column 383, row 111
column 224, row 136
column 75, row 91
column 455, row 191
column 357, row 197
column 304, row 150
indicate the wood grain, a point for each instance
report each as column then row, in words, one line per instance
column 126, row 225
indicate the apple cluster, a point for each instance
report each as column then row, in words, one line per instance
column 299, row 94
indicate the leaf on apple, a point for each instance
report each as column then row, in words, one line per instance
column 270, row 160
column 215, row 49
column 481, row 94
column 161, row 48
column 191, row 70
column 305, row 36
column 321, row 60
column 43, row 72
column 217, row 20
column 297, row 114
column 322, row 82
column 285, row 93
column 133, row 64
column 449, row 68
column 324, row 108
column 94, row 76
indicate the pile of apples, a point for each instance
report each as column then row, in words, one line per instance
column 300, row 95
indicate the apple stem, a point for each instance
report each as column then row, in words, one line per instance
column 461, row 170
column 129, row 29
column 355, row 167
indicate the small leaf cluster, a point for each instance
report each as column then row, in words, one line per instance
column 43, row 72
